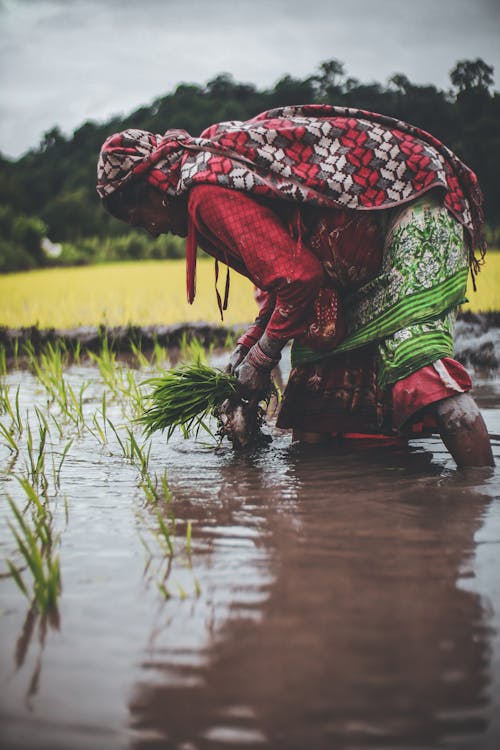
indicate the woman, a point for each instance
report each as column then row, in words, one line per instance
column 358, row 230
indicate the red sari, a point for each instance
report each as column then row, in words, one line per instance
column 301, row 259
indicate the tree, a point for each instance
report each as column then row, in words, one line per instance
column 289, row 90
column 51, row 139
column 330, row 78
column 401, row 83
column 472, row 76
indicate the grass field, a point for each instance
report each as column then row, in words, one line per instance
column 153, row 292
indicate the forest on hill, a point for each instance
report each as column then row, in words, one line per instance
column 48, row 198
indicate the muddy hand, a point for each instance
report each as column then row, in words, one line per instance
column 237, row 356
column 240, row 421
column 254, row 372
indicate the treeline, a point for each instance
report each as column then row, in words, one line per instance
column 50, row 191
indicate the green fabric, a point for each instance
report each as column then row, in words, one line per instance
column 407, row 307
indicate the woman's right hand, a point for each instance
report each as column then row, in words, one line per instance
column 236, row 358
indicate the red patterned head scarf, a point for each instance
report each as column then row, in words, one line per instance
column 317, row 154
column 137, row 153
column 328, row 156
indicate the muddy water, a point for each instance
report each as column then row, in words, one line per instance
column 329, row 600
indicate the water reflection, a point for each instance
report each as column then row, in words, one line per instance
column 363, row 637
column 345, row 600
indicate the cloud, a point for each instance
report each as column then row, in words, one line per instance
column 65, row 61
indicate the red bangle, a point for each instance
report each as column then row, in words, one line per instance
column 259, row 360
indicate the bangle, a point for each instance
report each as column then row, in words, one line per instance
column 258, row 359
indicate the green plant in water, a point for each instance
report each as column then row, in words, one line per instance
column 10, row 441
column 159, row 356
column 185, row 397
column 11, row 409
column 56, row 471
column 36, row 458
column 110, row 371
column 140, row 357
column 154, row 489
column 3, row 361
column 35, row 544
column 164, row 534
column 191, row 349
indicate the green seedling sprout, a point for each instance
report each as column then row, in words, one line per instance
column 36, row 547
column 3, row 361
column 164, row 534
column 56, row 473
column 12, row 410
column 36, row 467
column 10, row 441
column 141, row 359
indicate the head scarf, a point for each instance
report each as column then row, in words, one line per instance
column 317, row 154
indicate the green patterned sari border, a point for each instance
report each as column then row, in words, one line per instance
column 414, row 354
column 419, row 307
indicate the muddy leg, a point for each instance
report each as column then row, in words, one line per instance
column 463, row 431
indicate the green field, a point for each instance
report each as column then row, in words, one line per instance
column 153, row 293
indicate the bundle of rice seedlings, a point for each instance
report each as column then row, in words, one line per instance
column 184, row 397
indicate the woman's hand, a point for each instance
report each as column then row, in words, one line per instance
column 254, row 371
column 237, row 356
column 254, row 382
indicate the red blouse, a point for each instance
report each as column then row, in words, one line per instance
column 289, row 253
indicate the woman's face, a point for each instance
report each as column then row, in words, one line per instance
column 158, row 213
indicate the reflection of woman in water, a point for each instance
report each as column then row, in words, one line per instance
column 363, row 638
column 357, row 229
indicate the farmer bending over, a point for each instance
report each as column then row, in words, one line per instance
column 358, row 231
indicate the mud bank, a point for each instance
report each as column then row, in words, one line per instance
column 477, row 338
column 121, row 338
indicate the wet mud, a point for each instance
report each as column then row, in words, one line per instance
column 329, row 598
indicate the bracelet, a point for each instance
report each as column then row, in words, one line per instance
column 259, row 360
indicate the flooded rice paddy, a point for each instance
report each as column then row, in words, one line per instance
column 291, row 599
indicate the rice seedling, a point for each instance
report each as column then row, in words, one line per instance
column 164, row 534
column 56, row 472
column 73, row 407
column 159, row 356
column 117, row 436
column 133, row 394
column 163, row 590
column 3, row 361
column 154, row 489
column 110, row 371
column 136, row 453
column 10, row 441
column 11, row 409
column 192, row 350
column 35, row 545
column 48, row 368
column 100, row 431
column 57, row 425
column 140, row 357
column 35, row 469
column 185, row 397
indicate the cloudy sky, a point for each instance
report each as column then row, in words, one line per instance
column 66, row 61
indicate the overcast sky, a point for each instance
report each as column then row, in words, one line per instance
column 63, row 62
